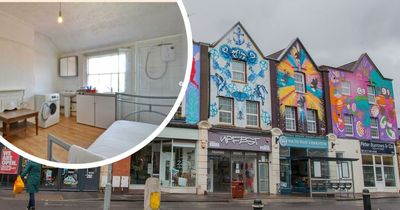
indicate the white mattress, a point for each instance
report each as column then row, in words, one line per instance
column 120, row 137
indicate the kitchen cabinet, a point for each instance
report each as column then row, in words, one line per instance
column 68, row 66
column 95, row 110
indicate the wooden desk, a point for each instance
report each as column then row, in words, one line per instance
column 9, row 117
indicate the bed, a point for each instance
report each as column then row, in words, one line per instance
column 122, row 135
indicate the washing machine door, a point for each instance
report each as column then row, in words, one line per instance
column 48, row 110
column 45, row 112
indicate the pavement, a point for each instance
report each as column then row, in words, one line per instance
column 137, row 196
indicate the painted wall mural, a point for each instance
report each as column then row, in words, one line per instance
column 298, row 60
column 356, row 103
column 192, row 97
column 237, row 45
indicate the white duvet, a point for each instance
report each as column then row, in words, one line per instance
column 120, row 137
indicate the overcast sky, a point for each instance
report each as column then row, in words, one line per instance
column 333, row 32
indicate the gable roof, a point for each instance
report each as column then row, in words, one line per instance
column 352, row 66
column 245, row 32
column 278, row 56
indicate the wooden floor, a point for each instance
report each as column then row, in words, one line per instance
column 67, row 129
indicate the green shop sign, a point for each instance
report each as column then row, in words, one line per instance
column 303, row 142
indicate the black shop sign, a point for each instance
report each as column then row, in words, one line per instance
column 368, row 147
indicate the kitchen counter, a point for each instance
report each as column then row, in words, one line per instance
column 97, row 94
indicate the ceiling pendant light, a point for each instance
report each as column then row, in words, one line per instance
column 60, row 18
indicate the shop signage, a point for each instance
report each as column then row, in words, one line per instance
column 376, row 148
column 9, row 162
column 303, row 142
column 238, row 141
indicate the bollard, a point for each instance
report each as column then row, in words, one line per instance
column 152, row 194
column 366, row 199
column 257, row 204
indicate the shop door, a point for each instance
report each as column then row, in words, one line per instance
column 89, row 179
column 70, row 179
column 221, row 171
column 380, row 182
column 263, row 181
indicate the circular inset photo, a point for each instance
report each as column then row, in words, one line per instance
column 86, row 84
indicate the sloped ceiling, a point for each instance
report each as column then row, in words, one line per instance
column 94, row 25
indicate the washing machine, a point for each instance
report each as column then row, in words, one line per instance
column 48, row 106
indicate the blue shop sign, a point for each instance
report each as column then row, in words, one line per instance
column 303, row 142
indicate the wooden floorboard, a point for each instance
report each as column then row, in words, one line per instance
column 67, row 129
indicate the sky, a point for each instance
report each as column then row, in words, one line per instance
column 333, row 32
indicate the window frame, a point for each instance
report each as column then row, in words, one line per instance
column 369, row 94
column 315, row 121
column 244, row 71
column 252, row 114
column 352, row 124
column 294, row 118
column 303, row 84
column 347, row 88
column 231, row 112
column 375, row 119
column 117, row 74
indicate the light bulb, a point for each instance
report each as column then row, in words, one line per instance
column 60, row 19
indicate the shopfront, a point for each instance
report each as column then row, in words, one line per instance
column 172, row 160
column 379, row 166
column 11, row 164
column 293, row 166
column 234, row 156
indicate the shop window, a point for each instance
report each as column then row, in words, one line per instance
column 225, row 110
column 345, row 86
column 348, row 124
column 252, row 113
column 183, row 172
column 368, row 171
column 284, row 152
column 238, row 71
column 290, row 118
column 299, row 82
column 311, row 121
column 388, row 170
column 141, row 165
column 371, row 94
column 374, row 128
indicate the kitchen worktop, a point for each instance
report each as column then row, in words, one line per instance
column 97, row 94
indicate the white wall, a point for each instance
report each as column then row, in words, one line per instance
column 28, row 60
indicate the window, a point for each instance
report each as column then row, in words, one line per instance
column 252, row 113
column 299, row 82
column 388, row 171
column 238, row 71
column 225, row 110
column 180, row 112
column 348, row 124
column 290, row 118
column 106, row 72
column 374, row 128
column 368, row 171
column 183, row 171
column 371, row 94
column 311, row 121
column 345, row 88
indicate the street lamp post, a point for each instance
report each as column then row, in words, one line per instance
column 107, row 191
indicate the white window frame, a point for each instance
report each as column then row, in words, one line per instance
column 299, row 83
column 374, row 127
column 236, row 71
column 349, row 124
column 122, row 70
column 225, row 111
column 257, row 114
column 290, row 119
column 345, row 88
column 371, row 95
column 312, row 121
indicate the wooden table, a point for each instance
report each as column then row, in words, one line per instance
column 9, row 117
